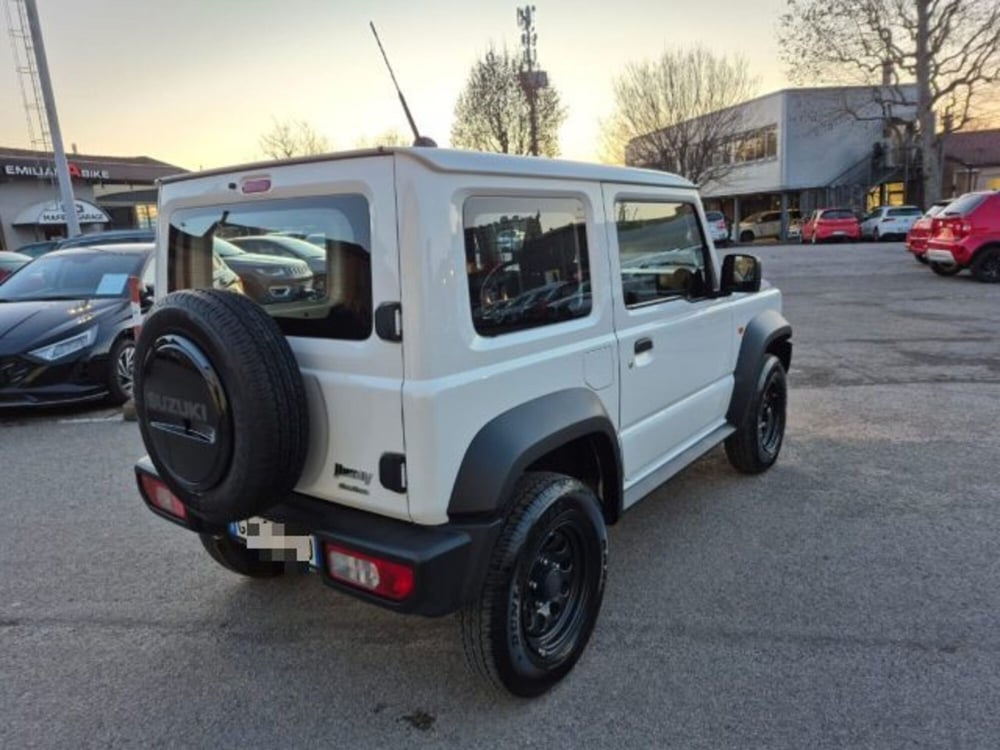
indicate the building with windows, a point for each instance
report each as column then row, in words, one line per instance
column 971, row 162
column 111, row 192
column 796, row 150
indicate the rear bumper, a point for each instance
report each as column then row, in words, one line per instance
column 940, row 256
column 449, row 562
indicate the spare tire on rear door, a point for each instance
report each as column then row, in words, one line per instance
column 220, row 403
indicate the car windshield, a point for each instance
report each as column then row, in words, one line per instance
column 714, row 216
column 90, row 274
column 906, row 211
column 225, row 249
column 276, row 243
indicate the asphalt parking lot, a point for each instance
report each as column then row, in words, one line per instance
column 848, row 598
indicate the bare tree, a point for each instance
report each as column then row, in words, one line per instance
column 949, row 48
column 390, row 137
column 677, row 113
column 289, row 138
column 493, row 114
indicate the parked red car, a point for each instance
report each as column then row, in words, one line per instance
column 920, row 232
column 966, row 234
column 831, row 224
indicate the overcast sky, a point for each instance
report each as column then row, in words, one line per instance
column 196, row 82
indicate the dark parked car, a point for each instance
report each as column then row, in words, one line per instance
column 10, row 262
column 110, row 237
column 66, row 325
column 266, row 279
column 34, row 249
column 283, row 246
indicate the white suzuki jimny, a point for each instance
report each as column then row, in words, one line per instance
column 491, row 359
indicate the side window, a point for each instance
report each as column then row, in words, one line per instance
column 662, row 252
column 527, row 262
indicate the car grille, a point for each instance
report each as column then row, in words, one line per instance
column 13, row 370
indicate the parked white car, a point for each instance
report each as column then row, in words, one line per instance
column 718, row 230
column 889, row 221
column 765, row 224
column 441, row 430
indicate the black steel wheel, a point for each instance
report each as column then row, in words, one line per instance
column 755, row 445
column 942, row 269
column 121, row 370
column 986, row 266
column 543, row 590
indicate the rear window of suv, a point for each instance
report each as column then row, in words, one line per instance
column 305, row 295
column 964, row 205
column 837, row 213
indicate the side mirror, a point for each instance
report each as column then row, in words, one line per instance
column 740, row 273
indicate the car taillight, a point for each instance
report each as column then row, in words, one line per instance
column 159, row 496
column 958, row 226
column 385, row 578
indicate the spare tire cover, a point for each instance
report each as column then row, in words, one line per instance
column 220, row 403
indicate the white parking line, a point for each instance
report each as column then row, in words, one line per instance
column 85, row 420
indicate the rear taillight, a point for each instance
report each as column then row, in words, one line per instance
column 159, row 496
column 958, row 226
column 384, row 578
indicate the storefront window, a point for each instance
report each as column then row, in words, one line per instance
column 145, row 215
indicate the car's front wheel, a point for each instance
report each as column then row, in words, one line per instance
column 755, row 445
column 121, row 367
column 543, row 590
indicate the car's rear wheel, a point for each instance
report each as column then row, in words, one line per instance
column 234, row 556
column 543, row 590
column 121, row 370
column 942, row 269
column 746, row 236
column 986, row 266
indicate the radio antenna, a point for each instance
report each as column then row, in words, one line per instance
column 418, row 140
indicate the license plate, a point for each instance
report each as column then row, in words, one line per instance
column 838, row 232
column 274, row 541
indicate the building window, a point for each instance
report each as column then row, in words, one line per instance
column 145, row 216
column 755, row 145
column 526, row 259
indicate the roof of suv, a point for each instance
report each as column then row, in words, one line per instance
column 454, row 160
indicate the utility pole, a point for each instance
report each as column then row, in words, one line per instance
column 532, row 80
column 58, row 152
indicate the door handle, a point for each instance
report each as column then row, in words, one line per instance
column 643, row 345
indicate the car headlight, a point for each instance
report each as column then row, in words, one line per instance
column 60, row 349
column 275, row 271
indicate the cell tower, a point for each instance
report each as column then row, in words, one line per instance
column 27, row 74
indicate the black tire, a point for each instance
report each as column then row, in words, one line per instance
column 121, row 375
column 921, row 259
column 216, row 375
column 234, row 556
column 755, row 445
column 986, row 266
column 543, row 590
column 944, row 270
column 746, row 236
column 876, row 237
